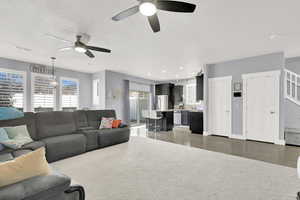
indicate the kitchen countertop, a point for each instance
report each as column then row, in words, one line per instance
column 176, row 110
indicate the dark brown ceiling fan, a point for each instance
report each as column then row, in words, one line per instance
column 149, row 8
column 81, row 47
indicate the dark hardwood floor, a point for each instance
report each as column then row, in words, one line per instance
column 276, row 154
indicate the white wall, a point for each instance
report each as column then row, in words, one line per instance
column 116, row 91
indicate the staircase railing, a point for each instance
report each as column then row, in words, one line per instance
column 292, row 86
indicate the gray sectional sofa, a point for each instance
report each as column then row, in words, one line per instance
column 63, row 134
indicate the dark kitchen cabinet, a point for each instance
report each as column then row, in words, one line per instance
column 166, row 89
column 200, row 87
column 196, row 122
column 178, row 94
column 185, row 118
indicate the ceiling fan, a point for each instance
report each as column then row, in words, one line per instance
column 149, row 9
column 81, row 47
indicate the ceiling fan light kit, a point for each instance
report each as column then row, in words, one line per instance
column 81, row 47
column 149, row 9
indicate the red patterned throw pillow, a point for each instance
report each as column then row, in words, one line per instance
column 106, row 123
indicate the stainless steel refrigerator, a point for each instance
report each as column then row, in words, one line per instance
column 162, row 102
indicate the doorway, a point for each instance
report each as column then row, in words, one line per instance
column 219, row 108
column 261, row 106
column 139, row 104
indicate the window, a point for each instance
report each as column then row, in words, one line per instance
column 12, row 92
column 43, row 93
column 292, row 86
column 96, row 92
column 69, row 94
column 191, row 94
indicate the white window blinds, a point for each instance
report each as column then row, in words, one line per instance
column 12, row 89
column 69, row 94
column 43, row 93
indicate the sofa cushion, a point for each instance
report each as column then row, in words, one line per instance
column 6, row 157
column 108, row 137
column 58, row 123
column 20, row 152
column 60, row 147
column 37, row 188
column 91, row 139
column 28, row 119
column 95, row 116
column 81, row 119
column 33, row 145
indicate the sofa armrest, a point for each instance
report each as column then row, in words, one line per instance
column 33, row 145
column 36, row 188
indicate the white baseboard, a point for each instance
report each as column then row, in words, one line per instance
column 205, row 133
column 239, row 137
column 280, row 142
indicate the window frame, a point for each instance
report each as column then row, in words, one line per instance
column 60, row 90
column 24, row 74
column 33, row 75
column 187, row 96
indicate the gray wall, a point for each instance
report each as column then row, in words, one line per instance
column 117, row 91
column 85, row 81
column 236, row 68
column 292, row 110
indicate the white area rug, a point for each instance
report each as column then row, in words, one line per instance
column 146, row 169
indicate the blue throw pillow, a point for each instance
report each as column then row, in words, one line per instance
column 7, row 113
column 3, row 137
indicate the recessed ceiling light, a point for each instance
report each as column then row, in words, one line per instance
column 164, row 71
column 181, row 68
column 177, row 75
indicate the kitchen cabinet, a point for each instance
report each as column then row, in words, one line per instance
column 185, row 118
column 200, row 87
column 178, row 94
column 196, row 122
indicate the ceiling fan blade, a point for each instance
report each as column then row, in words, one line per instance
column 154, row 23
column 66, row 48
column 126, row 13
column 98, row 49
column 89, row 54
column 57, row 38
column 176, row 6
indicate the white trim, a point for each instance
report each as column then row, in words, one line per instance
column 258, row 74
column 205, row 133
column 33, row 75
column 279, row 142
column 239, row 137
column 228, row 78
column 221, row 78
column 276, row 75
column 25, row 93
column 60, row 90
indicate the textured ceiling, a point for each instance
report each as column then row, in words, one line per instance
column 219, row 30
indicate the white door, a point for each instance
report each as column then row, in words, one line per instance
column 219, row 109
column 261, row 106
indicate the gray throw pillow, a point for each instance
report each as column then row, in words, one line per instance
column 18, row 136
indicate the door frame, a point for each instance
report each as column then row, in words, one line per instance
column 228, row 78
column 276, row 74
